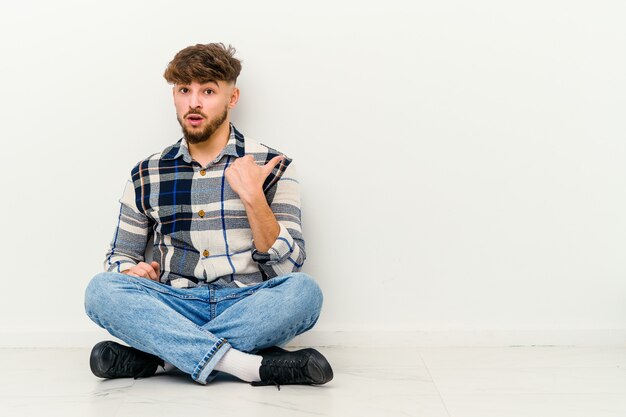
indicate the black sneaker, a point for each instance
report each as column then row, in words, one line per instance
column 112, row 360
column 303, row 367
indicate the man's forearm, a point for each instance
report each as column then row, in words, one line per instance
column 265, row 228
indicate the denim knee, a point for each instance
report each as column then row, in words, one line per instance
column 307, row 292
column 97, row 293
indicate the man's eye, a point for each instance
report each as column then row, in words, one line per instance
column 183, row 90
column 208, row 92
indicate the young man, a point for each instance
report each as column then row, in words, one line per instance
column 222, row 213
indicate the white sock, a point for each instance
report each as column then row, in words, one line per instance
column 242, row 365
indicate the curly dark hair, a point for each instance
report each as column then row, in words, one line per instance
column 203, row 63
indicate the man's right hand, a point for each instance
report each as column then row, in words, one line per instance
column 143, row 270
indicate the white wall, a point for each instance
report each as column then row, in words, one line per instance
column 462, row 163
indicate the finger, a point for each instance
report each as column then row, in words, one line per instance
column 132, row 274
column 136, row 272
column 147, row 270
column 150, row 272
column 139, row 271
column 157, row 270
column 272, row 164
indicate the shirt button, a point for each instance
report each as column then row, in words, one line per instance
column 203, row 172
column 205, row 253
column 201, row 213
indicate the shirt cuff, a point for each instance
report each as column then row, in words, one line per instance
column 280, row 250
column 119, row 266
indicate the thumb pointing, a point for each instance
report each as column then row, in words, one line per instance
column 272, row 164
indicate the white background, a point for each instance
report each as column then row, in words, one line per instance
column 462, row 163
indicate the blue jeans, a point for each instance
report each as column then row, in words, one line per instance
column 192, row 328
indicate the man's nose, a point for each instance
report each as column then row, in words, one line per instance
column 194, row 101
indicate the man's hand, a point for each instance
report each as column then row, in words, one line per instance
column 144, row 270
column 246, row 177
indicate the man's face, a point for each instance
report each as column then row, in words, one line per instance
column 202, row 108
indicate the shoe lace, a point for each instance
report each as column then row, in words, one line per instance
column 285, row 371
column 127, row 363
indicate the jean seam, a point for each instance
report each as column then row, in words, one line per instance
column 235, row 296
column 207, row 358
column 213, row 311
column 213, row 350
column 135, row 282
column 145, row 288
column 260, row 286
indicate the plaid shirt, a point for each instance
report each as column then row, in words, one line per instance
column 197, row 224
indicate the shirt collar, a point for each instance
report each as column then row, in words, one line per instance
column 234, row 147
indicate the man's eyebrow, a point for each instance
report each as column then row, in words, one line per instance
column 203, row 83
column 210, row 82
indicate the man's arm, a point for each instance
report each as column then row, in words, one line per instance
column 277, row 235
column 129, row 240
column 265, row 228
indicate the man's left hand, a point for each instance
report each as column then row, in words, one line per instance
column 246, row 178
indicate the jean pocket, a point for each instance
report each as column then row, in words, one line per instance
column 182, row 293
column 223, row 294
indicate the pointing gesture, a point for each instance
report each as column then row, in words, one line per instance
column 246, row 178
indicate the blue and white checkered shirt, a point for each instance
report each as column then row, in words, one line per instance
column 198, row 225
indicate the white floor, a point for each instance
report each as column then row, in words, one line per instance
column 429, row 382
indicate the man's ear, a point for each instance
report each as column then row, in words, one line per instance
column 234, row 98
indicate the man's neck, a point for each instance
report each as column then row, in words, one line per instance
column 207, row 151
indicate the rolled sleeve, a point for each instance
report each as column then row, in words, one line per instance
column 127, row 248
column 282, row 248
column 287, row 253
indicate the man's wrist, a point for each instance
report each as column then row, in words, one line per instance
column 253, row 199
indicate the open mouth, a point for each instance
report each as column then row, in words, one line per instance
column 195, row 119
